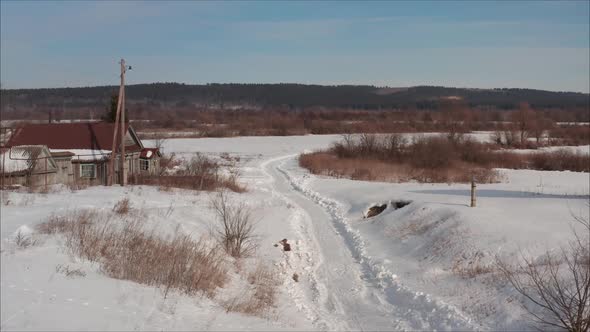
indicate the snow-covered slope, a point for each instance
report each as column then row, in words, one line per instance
column 404, row 269
column 440, row 246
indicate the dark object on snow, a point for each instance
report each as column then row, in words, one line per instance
column 375, row 210
column 295, row 277
column 286, row 246
column 400, row 204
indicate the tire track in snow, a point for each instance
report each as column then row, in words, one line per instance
column 310, row 304
column 415, row 310
column 340, row 298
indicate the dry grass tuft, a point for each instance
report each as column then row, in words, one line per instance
column 261, row 294
column 127, row 251
column 69, row 272
column 122, row 207
column 473, row 266
column 24, row 241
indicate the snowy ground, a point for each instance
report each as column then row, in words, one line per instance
column 395, row 271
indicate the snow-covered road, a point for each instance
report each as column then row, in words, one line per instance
column 346, row 290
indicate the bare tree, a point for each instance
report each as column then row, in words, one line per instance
column 559, row 287
column 234, row 229
column 524, row 120
column 368, row 143
column 456, row 118
column 348, row 140
column 540, row 126
column 395, row 145
column 159, row 141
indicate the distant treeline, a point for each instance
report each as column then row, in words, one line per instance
column 162, row 96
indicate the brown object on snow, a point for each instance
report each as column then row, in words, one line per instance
column 375, row 210
column 286, row 246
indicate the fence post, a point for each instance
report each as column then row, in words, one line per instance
column 473, row 186
column 3, row 168
column 45, row 174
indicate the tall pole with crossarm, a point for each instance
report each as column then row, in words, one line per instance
column 119, row 124
column 123, row 170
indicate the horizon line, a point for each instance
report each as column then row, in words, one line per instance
column 296, row 83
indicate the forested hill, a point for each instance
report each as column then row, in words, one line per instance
column 292, row 96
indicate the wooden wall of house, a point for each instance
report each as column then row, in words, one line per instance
column 65, row 171
column 42, row 179
column 132, row 160
column 154, row 167
column 13, row 180
column 43, row 173
column 100, row 179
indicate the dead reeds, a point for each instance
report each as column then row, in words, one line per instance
column 125, row 250
column 430, row 159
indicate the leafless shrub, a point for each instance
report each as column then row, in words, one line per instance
column 324, row 163
column 559, row 286
column 68, row 272
column 368, row 143
column 200, row 165
column 261, row 294
column 497, row 137
column 199, row 173
column 77, row 186
column 66, row 223
column 235, row 229
column 127, row 251
column 470, row 266
column 122, row 206
column 167, row 163
column 560, row 160
column 159, row 141
column 24, row 241
column 395, row 145
column 430, row 159
column 192, row 182
column 570, row 135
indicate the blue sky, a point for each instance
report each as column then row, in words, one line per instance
column 529, row 44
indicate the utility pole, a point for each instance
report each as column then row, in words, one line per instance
column 123, row 171
column 120, row 115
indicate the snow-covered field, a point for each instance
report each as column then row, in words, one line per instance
column 401, row 270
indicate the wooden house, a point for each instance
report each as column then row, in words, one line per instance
column 82, row 151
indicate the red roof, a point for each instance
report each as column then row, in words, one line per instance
column 92, row 136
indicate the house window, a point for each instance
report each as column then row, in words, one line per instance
column 144, row 164
column 88, row 171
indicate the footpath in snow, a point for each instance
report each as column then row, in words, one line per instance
column 350, row 291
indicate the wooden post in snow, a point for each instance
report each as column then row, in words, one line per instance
column 473, row 191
